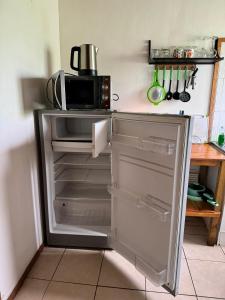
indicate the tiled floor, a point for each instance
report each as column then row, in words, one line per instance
column 63, row 274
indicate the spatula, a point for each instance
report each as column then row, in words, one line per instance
column 176, row 94
column 169, row 94
column 185, row 96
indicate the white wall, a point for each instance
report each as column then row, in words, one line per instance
column 29, row 52
column 121, row 28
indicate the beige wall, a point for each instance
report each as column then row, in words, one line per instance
column 121, row 28
column 29, row 52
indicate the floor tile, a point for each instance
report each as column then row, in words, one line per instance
column 186, row 285
column 208, row 278
column 161, row 296
column 46, row 263
column 32, row 289
column 118, row 272
column 195, row 247
column 203, row 298
column 69, row 291
column 104, row 293
column 79, row 266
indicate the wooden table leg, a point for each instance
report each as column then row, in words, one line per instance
column 219, row 195
column 203, row 173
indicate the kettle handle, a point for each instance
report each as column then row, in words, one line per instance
column 75, row 48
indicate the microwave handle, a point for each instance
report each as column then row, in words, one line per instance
column 74, row 49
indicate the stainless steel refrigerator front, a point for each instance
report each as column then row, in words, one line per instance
column 118, row 181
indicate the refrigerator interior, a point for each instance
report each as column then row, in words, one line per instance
column 79, row 202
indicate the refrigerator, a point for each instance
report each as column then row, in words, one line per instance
column 114, row 180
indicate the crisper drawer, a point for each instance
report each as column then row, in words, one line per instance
column 89, row 212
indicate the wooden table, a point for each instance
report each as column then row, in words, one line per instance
column 205, row 155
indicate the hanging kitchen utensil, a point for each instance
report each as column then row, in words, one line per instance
column 191, row 79
column 169, row 94
column 193, row 76
column 185, row 96
column 164, row 79
column 176, row 94
column 188, row 79
column 164, row 76
column 156, row 93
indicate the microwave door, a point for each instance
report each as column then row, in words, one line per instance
column 59, row 93
column 80, row 92
column 150, row 163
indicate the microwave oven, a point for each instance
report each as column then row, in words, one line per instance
column 80, row 92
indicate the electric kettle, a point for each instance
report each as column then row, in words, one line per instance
column 87, row 59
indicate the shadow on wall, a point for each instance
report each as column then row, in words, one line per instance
column 33, row 93
column 33, row 89
column 19, row 188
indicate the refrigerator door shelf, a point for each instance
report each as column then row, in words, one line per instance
column 156, row 207
column 151, row 143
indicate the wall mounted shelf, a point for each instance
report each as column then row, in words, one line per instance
column 182, row 61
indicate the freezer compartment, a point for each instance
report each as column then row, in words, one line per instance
column 73, row 134
column 84, row 212
column 73, row 128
